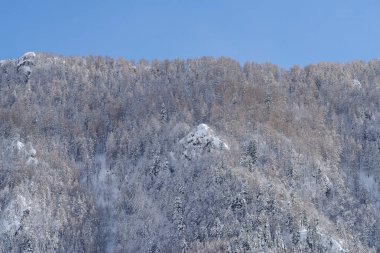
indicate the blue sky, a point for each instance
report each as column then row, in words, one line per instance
column 277, row 31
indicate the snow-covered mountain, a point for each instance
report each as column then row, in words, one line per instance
column 203, row 155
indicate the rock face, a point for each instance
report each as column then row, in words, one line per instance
column 201, row 140
column 24, row 63
column 18, row 70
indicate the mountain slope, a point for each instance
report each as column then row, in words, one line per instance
column 198, row 156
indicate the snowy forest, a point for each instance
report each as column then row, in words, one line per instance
column 198, row 155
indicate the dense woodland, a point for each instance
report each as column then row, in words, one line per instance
column 95, row 156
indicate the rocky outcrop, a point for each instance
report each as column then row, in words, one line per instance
column 201, row 140
column 25, row 63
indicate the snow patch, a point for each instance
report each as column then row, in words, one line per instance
column 11, row 215
column 20, row 145
column 327, row 241
column 27, row 151
column 29, row 55
column 27, row 59
column 335, row 246
column 106, row 189
column 32, row 161
column 356, row 82
column 368, row 182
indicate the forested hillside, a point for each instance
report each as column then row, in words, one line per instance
column 200, row 155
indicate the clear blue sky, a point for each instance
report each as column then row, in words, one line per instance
column 278, row 31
